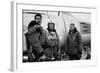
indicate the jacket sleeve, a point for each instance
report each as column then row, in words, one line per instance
column 58, row 44
column 57, row 39
column 79, row 41
column 47, row 40
column 27, row 42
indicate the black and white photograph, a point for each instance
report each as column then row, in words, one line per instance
column 52, row 36
column 49, row 36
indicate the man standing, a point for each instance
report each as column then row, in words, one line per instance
column 74, row 43
column 33, row 36
column 53, row 42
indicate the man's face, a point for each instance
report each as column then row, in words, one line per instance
column 38, row 19
column 72, row 27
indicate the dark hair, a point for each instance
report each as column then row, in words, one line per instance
column 53, row 27
column 38, row 14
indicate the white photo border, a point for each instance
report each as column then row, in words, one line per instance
column 18, row 64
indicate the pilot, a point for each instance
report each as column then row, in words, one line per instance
column 53, row 42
